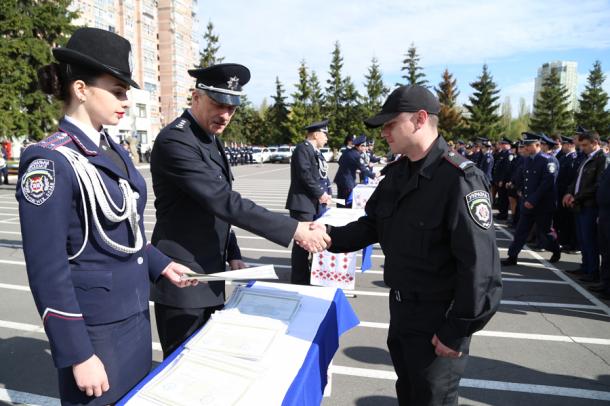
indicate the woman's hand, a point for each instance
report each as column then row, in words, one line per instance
column 174, row 271
column 90, row 377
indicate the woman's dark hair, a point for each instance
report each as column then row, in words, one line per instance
column 55, row 78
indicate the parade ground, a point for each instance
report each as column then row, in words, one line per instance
column 548, row 345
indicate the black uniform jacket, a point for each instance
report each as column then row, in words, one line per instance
column 196, row 207
column 591, row 172
column 305, row 189
column 435, row 229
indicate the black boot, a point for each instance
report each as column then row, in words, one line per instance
column 510, row 261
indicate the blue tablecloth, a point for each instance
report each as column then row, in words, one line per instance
column 308, row 386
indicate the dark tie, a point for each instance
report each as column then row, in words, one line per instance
column 114, row 156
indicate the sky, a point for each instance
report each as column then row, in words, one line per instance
column 513, row 37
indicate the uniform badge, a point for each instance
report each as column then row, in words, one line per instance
column 38, row 182
column 232, row 83
column 551, row 167
column 479, row 208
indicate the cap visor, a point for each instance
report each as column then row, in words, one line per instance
column 380, row 119
column 223, row 98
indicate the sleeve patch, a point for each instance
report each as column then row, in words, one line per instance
column 551, row 167
column 478, row 205
column 38, row 182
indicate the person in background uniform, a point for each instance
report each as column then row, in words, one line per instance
column 306, row 194
column 564, row 221
column 432, row 216
column 486, row 160
column 4, row 163
column 89, row 269
column 538, row 202
column 196, row 205
column 501, row 176
column 603, row 224
column 476, row 154
column 461, row 148
column 349, row 163
column 581, row 195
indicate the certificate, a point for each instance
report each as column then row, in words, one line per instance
column 257, row 272
column 265, row 303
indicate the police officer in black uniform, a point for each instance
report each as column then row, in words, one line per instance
column 486, row 160
column 501, row 175
column 196, row 205
column 539, row 201
column 432, row 216
column 81, row 204
column 564, row 220
column 349, row 163
column 306, row 193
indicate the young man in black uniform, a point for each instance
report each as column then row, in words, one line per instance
column 305, row 193
column 432, row 216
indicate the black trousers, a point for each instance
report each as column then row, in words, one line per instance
column 299, row 259
column 424, row 379
column 176, row 324
column 603, row 230
column 502, row 201
column 544, row 230
column 343, row 193
column 565, row 223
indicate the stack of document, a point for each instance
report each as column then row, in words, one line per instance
column 246, row 274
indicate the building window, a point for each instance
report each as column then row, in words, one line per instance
column 141, row 110
column 142, row 137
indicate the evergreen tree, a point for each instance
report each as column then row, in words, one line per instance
column 483, row 120
column 209, row 56
column 298, row 117
column 551, row 109
column 353, row 113
column 316, row 97
column 246, row 126
column 450, row 120
column 414, row 74
column 335, row 94
column 376, row 91
column 593, row 101
column 29, row 29
column 277, row 115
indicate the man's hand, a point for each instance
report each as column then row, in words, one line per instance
column 442, row 350
column 568, row 200
column 528, row 205
column 325, row 199
column 90, row 377
column 174, row 271
column 312, row 239
column 235, row 264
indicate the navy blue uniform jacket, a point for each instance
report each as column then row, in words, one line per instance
column 101, row 285
column 349, row 163
column 196, row 206
column 305, row 188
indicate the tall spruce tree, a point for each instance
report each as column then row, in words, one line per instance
column 316, row 97
column 28, row 31
column 450, row 120
column 376, row 91
column 551, row 109
column 593, row 102
column 335, row 94
column 414, row 74
column 246, row 126
column 298, row 117
column 483, row 120
column 277, row 115
column 353, row 111
column 209, row 56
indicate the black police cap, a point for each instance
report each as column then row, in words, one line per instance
column 359, row 140
column 222, row 82
column 530, row 137
column 567, row 140
column 408, row 99
column 319, row 126
column 100, row 50
column 505, row 140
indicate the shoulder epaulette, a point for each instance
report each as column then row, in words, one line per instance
column 55, row 141
column 392, row 164
column 458, row 161
column 181, row 124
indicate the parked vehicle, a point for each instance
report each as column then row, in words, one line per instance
column 327, row 153
column 283, row 154
column 260, row 154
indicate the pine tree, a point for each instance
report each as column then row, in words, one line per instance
column 376, row 91
column 29, row 29
column 316, row 97
column 335, row 94
column 246, row 126
column 450, row 120
column 351, row 119
column 298, row 117
column 593, row 101
column 414, row 75
column 551, row 109
column 483, row 120
column 209, row 56
column 277, row 115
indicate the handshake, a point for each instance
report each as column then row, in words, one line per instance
column 312, row 236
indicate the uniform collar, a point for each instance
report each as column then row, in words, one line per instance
column 311, row 143
column 433, row 158
column 89, row 131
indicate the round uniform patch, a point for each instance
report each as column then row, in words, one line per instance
column 551, row 167
column 38, row 182
column 479, row 208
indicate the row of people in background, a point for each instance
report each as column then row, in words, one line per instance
column 239, row 154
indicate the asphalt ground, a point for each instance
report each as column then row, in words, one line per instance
column 549, row 344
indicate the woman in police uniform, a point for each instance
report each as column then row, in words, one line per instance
column 81, row 204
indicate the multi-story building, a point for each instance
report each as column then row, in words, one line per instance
column 161, row 33
column 568, row 77
column 177, row 27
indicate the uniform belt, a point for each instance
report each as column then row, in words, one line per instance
column 403, row 295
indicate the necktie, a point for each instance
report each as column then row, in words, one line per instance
column 114, row 156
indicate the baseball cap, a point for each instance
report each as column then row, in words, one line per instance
column 409, row 99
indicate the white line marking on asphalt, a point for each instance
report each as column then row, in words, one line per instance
column 10, row 221
column 525, row 280
column 598, row 303
column 13, row 396
column 9, row 262
column 11, row 232
column 484, row 384
column 547, row 304
column 14, row 287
